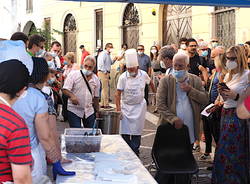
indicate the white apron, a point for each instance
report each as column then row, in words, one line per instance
column 133, row 106
column 39, row 168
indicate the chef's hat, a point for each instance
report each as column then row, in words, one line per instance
column 131, row 58
column 10, row 49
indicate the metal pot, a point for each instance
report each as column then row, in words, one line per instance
column 109, row 122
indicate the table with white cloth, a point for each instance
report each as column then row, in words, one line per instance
column 116, row 163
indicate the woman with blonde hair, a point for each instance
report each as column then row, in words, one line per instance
column 231, row 157
column 69, row 64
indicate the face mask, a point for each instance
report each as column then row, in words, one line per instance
column 111, row 50
column 40, row 52
column 65, row 62
column 231, row 65
column 132, row 74
column 50, row 64
column 163, row 65
column 183, row 46
column 179, row 74
column 153, row 51
column 86, row 72
column 204, row 53
column 140, row 52
column 214, row 44
column 53, row 54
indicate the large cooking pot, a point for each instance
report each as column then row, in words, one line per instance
column 109, row 122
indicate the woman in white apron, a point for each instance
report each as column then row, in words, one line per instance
column 130, row 101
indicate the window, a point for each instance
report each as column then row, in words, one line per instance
column 225, row 26
column 29, row 6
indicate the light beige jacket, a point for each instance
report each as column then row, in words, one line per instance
column 166, row 100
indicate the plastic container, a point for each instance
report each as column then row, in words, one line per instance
column 76, row 140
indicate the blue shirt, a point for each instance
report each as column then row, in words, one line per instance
column 184, row 111
column 144, row 62
column 214, row 88
column 104, row 61
column 28, row 107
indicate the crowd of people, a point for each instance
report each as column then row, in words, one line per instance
column 186, row 77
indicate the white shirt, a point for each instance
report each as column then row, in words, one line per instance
column 76, row 84
column 238, row 84
column 184, row 111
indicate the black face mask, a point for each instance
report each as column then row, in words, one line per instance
column 248, row 65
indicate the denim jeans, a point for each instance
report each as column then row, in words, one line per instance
column 134, row 142
column 75, row 121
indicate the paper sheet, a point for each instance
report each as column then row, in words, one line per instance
column 204, row 112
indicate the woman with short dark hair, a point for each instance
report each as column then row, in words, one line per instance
column 16, row 160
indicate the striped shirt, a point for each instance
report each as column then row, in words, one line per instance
column 14, row 142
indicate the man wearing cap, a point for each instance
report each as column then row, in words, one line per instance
column 130, row 100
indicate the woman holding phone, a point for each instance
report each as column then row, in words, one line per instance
column 231, row 159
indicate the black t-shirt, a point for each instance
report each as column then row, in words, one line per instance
column 194, row 63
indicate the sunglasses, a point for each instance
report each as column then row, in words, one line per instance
column 215, row 41
column 231, row 58
column 140, row 49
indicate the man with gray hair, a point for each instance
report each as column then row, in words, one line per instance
column 179, row 98
column 166, row 55
column 82, row 87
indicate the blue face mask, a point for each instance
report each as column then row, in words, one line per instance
column 65, row 62
column 51, row 81
column 40, row 52
column 204, row 53
column 86, row 72
column 179, row 74
column 50, row 64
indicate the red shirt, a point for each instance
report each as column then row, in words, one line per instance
column 84, row 55
column 247, row 103
column 14, row 142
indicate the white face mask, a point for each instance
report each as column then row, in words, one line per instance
column 230, row 65
column 153, row 51
column 183, row 46
column 111, row 50
column 140, row 52
column 163, row 65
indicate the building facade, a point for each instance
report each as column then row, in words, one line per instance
column 95, row 24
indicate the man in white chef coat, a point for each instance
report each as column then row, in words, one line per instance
column 130, row 100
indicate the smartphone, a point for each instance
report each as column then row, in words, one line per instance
column 223, row 85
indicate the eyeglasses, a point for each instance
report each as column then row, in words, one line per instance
column 140, row 49
column 88, row 67
column 231, row 58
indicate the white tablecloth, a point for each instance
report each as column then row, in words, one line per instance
column 115, row 160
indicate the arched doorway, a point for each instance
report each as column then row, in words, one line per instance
column 130, row 26
column 177, row 23
column 29, row 28
column 69, row 31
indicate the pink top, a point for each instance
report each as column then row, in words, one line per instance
column 67, row 70
column 76, row 84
